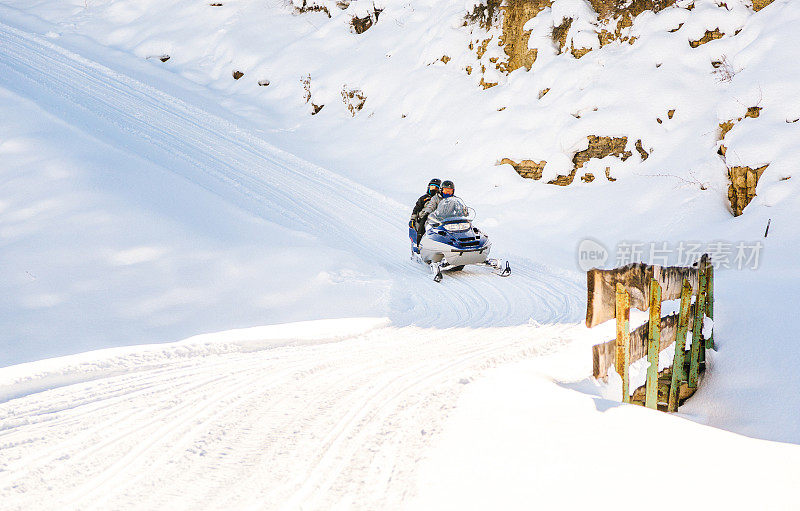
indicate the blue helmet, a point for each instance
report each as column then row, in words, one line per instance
column 433, row 186
column 448, row 188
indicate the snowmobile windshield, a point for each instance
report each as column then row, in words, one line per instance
column 451, row 208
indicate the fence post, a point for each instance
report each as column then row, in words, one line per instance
column 653, row 342
column 623, row 312
column 697, row 326
column 710, row 302
column 678, row 373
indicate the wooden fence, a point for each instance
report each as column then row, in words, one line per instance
column 611, row 294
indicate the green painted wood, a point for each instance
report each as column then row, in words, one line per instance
column 710, row 303
column 623, row 355
column 678, row 372
column 697, row 328
column 653, row 342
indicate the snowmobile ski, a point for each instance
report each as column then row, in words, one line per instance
column 503, row 270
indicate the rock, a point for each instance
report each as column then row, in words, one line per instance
column 361, row 25
column 528, row 169
column 753, row 112
column 353, row 99
column 742, row 189
column 707, row 38
column 641, row 150
column 760, row 4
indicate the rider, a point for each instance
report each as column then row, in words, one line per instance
column 417, row 220
column 448, row 190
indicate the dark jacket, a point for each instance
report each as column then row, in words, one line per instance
column 421, row 203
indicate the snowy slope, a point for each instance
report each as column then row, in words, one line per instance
column 270, row 185
column 147, row 201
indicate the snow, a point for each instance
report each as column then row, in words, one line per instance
column 568, row 450
column 708, row 327
column 145, row 202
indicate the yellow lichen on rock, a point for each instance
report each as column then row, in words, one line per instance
column 526, row 168
column 607, row 9
column 760, row 4
column 742, row 189
column 753, row 112
column 599, row 147
column 487, row 85
column 724, row 128
column 579, row 52
column 514, row 39
column 640, row 149
column 743, row 179
column 707, row 38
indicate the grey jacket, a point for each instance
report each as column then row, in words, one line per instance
column 430, row 207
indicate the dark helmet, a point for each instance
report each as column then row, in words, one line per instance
column 434, row 185
column 448, row 188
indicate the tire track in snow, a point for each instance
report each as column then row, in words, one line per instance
column 291, row 425
column 303, row 425
column 247, row 171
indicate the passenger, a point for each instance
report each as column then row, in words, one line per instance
column 417, row 220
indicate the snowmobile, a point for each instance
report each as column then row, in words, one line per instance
column 451, row 241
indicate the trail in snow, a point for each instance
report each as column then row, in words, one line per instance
column 282, row 428
column 274, row 427
column 245, row 170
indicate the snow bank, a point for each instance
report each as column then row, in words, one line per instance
column 23, row 379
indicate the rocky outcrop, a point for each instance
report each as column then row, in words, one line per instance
column 709, row 36
column 609, row 9
column 501, row 23
column 361, row 24
column 526, row 168
column 743, row 186
column 514, row 39
column 743, row 179
column 760, row 4
column 724, row 127
column 599, row 147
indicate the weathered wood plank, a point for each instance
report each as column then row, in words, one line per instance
column 678, row 375
column 654, row 339
column 636, row 277
column 697, row 330
column 622, row 355
column 603, row 355
column 710, row 302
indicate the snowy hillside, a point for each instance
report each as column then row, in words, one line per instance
column 175, row 169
